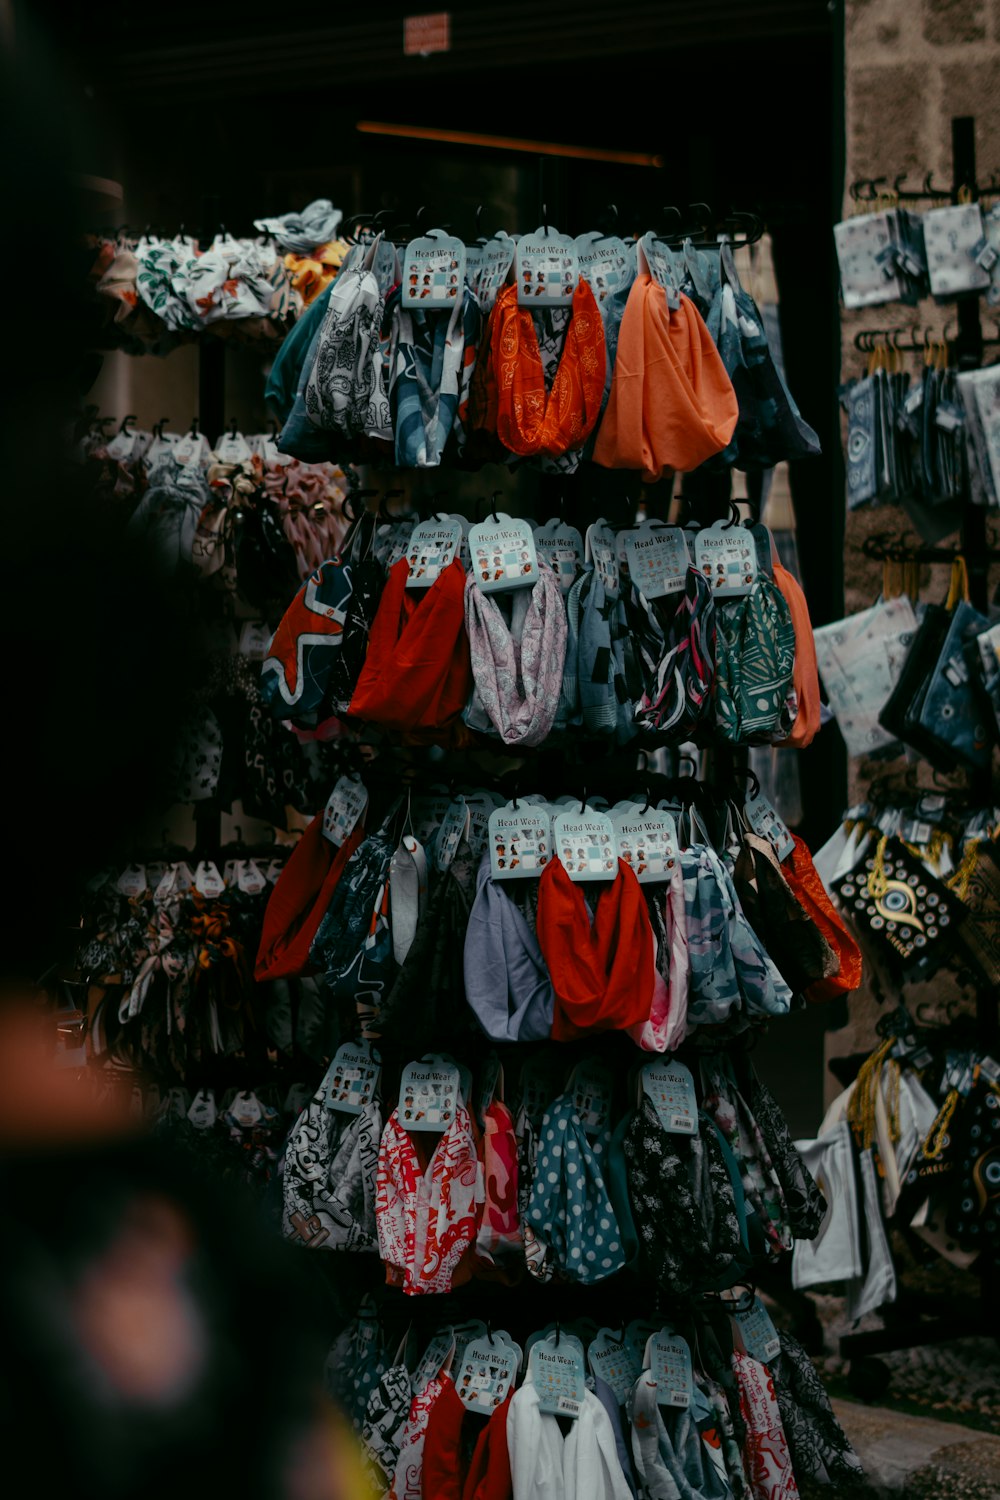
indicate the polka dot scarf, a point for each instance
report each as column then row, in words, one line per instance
column 569, row 1210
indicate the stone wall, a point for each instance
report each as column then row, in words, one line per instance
column 911, row 65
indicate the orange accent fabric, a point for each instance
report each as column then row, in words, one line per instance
column 672, row 405
column 529, row 419
column 801, row 877
column 299, row 900
column 806, row 674
column 602, row 973
column 417, row 673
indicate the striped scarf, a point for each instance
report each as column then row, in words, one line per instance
column 678, row 657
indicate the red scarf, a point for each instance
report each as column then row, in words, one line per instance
column 529, row 420
column 444, row 1475
column 602, row 975
column 417, row 674
column 299, row 900
column 803, row 880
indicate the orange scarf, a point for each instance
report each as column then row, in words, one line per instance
column 672, row 405
column 806, row 674
column 529, row 419
column 802, row 878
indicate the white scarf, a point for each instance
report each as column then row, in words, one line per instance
column 518, row 670
column 545, row 1467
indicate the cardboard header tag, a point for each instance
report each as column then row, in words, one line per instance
column 352, row 1077
column 606, row 261
column 592, row 1086
column 670, row 1367
column 585, row 843
column 547, row 269
column 503, row 554
column 602, row 550
column 759, row 1335
column 429, row 1094
column 658, row 559
column 345, row 808
column 453, row 828
column 670, row 1088
column 658, row 259
column 487, row 1372
column 520, row 841
column 612, row 1361
column 768, row 824
column 495, row 258
column 433, row 271
column 562, row 548
column 558, row 1374
column 433, row 546
column 647, row 842
column 726, row 556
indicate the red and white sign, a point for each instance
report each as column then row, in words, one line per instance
column 425, row 34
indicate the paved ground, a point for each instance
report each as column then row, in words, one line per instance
column 921, row 1459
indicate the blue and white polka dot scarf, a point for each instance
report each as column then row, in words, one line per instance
column 569, row 1209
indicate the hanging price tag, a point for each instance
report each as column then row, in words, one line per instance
column 662, row 264
column 344, row 809
column 759, row 1335
column 433, row 546
column 495, row 262
column 557, row 1371
column 477, row 832
column 203, row 1112
column 246, row 1110
column 562, row 548
column 606, row 261
column 637, row 1337
column 233, row 449
column 670, row 1367
column 612, row 1361
column 433, row 271
column 767, row 824
column 546, row 268
column 132, row 881
column 658, row 559
column 486, row 1374
column 392, row 542
column 352, row 1077
column 592, row 1086
column 438, row 1356
column 503, row 554
column 428, row 1094
column 602, row 549
column 670, row 1088
column 450, row 834
column 585, row 843
column 726, row 557
column 250, row 877
column 207, row 880
column 520, row 841
column 647, row 842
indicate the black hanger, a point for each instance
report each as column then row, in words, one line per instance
column 159, row 426
column 125, row 423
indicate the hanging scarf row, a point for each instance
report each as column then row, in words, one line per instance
column 541, row 920
column 656, row 363
column 506, row 634
column 570, row 1190
column 730, row 1411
